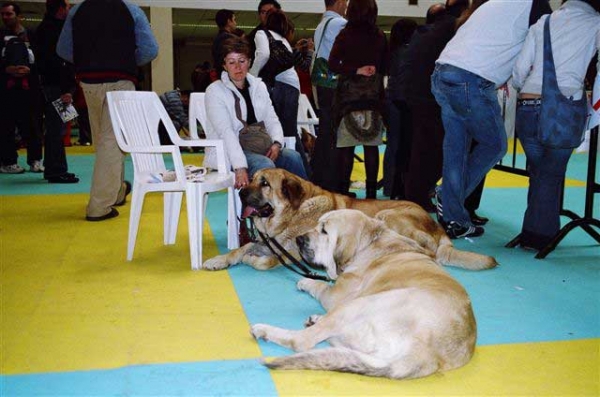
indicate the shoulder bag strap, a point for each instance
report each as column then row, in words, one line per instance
column 549, row 71
column 316, row 53
column 238, row 110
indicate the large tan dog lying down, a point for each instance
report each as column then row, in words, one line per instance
column 285, row 206
column 393, row 311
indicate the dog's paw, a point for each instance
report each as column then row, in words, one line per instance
column 312, row 320
column 305, row 284
column 259, row 331
column 219, row 262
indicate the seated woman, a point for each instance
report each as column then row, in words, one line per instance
column 238, row 86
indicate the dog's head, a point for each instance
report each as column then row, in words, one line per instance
column 272, row 190
column 338, row 238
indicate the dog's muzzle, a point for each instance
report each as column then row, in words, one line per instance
column 263, row 212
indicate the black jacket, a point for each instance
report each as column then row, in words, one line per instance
column 54, row 71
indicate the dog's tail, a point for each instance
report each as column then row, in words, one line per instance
column 346, row 360
column 447, row 255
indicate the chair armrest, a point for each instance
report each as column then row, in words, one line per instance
column 308, row 122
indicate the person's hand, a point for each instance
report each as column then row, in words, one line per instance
column 18, row 71
column 66, row 98
column 368, row 70
column 241, row 178
column 273, row 152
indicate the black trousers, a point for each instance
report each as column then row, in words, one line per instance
column 325, row 155
column 55, row 159
column 20, row 109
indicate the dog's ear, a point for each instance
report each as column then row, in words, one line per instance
column 293, row 191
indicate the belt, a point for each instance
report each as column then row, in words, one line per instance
column 529, row 102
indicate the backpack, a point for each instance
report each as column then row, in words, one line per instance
column 16, row 52
column 280, row 59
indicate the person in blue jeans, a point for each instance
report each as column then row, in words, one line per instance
column 223, row 121
column 575, row 37
column 472, row 66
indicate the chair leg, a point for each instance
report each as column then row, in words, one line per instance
column 233, row 208
column 172, row 208
column 137, row 203
column 195, row 212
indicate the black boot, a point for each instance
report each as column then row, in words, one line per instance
column 371, row 190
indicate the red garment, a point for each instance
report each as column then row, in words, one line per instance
column 305, row 83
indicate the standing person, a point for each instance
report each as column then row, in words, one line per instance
column 395, row 158
column 264, row 7
column 58, row 81
column 424, row 167
column 106, row 58
column 227, row 24
column 360, row 56
column 235, row 101
column 285, row 86
column 575, row 38
column 477, row 61
column 19, row 94
column 324, row 157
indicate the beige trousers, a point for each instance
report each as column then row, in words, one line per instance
column 107, row 181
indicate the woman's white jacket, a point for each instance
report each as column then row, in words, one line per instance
column 222, row 122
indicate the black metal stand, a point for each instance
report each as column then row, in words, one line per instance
column 587, row 221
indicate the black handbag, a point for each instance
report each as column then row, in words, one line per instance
column 280, row 59
column 358, row 101
column 320, row 74
column 253, row 137
column 562, row 120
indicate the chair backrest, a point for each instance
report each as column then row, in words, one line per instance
column 197, row 113
column 307, row 118
column 135, row 117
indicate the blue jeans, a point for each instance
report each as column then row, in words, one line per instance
column 547, row 168
column 288, row 159
column 470, row 111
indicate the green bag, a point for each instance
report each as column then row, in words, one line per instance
column 321, row 75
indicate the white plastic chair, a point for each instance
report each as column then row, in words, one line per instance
column 197, row 114
column 135, row 117
column 306, row 115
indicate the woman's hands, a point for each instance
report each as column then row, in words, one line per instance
column 273, row 152
column 368, row 70
column 241, row 178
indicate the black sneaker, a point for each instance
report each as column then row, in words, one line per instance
column 456, row 230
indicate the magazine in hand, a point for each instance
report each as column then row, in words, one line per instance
column 66, row 112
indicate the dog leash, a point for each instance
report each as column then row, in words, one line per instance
column 304, row 271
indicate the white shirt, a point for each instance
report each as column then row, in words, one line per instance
column 222, row 122
column 262, row 54
column 575, row 35
column 333, row 29
column 489, row 42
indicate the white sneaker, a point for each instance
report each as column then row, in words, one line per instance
column 12, row 169
column 36, row 166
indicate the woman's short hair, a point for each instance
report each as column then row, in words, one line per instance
column 236, row 45
column 278, row 22
column 362, row 12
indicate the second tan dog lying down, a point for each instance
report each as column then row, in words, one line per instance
column 285, row 206
column 393, row 311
